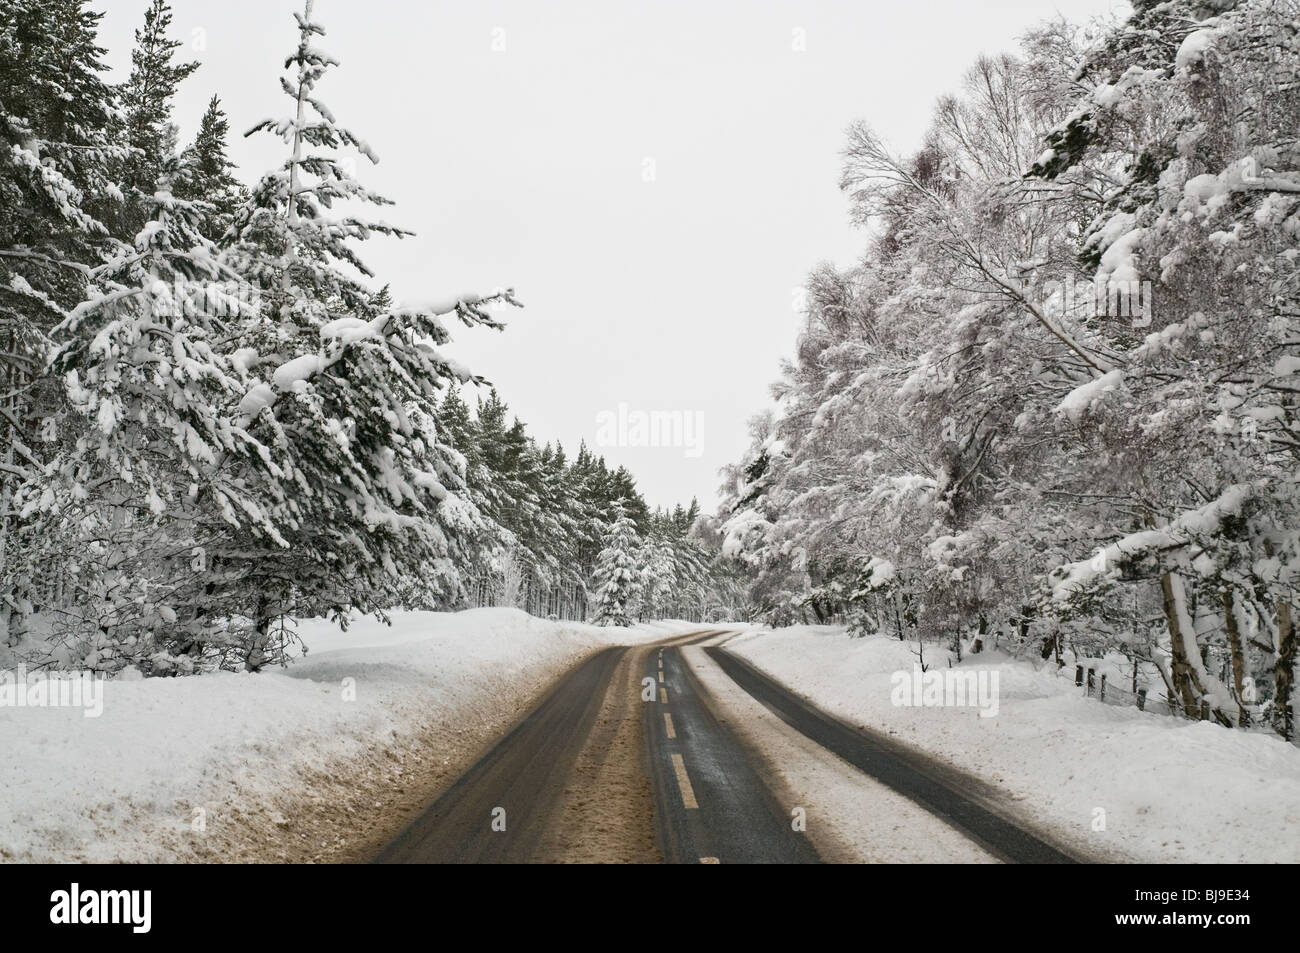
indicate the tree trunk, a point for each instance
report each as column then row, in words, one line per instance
column 256, row 656
column 1237, row 655
column 1180, row 669
column 1284, row 672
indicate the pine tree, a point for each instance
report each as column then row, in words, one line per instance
column 206, row 175
column 55, row 151
column 361, row 500
column 147, row 131
column 151, row 471
column 214, row 424
column 615, row 582
column 658, row 583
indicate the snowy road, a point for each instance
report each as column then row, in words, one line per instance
column 681, row 753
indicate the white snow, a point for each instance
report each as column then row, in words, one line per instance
column 1171, row 790
column 1205, row 194
column 1118, row 261
column 1107, row 95
column 298, row 369
column 1186, row 528
column 1080, row 400
column 349, row 330
column 244, row 359
column 259, row 396
column 124, row 786
column 1193, row 48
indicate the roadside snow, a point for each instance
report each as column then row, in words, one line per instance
column 1171, row 790
column 175, row 767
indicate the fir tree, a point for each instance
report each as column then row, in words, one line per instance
column 55, row 152
column 147, row 131
column 364, row 501
column 616, row 582
column 206, row 175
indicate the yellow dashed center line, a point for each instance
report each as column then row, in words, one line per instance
column 663, row 695
column 684, row 783
column 668, row 724
column 710, row 860
column 661, row 678
column 661, row 663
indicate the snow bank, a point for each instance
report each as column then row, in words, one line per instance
column 169, row 756
column 1171, row 790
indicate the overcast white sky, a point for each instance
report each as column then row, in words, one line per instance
column 525, row 166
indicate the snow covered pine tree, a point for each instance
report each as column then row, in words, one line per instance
column 358, row 492
column 615, row 581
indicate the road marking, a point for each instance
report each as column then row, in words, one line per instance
column 663, row 695
column 684, row 783
column 668, row 723
column 661, row 678
column 661, row 663
column 710, row 860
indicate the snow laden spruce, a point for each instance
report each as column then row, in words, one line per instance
column 215, row 420
column 617, row 585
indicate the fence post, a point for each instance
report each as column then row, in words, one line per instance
column 1142, row 699
column 1092, row 684
column 1078, row 675
column 1103, row 688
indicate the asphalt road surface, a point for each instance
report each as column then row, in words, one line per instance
column 628, row 760
column 712, row 806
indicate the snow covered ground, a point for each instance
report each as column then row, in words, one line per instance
column 1166, row 790
column 274, row 766
column 195, row 768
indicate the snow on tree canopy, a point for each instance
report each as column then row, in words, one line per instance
column 1080, row 400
